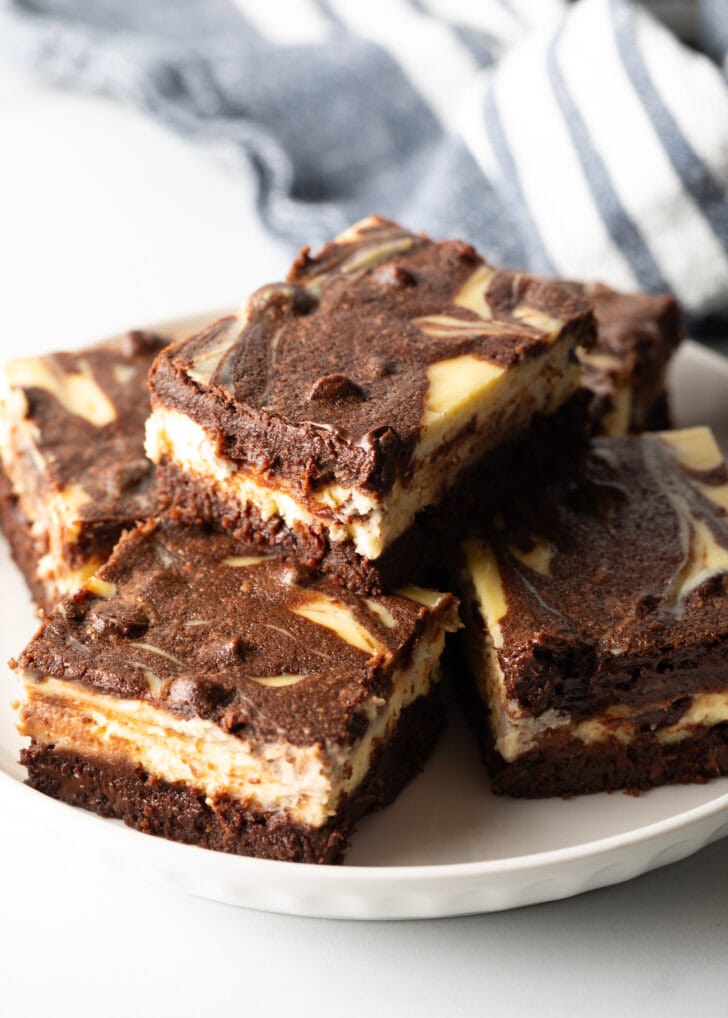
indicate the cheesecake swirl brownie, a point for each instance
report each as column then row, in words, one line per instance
column 236, row 702
column 336, row 406
column 73, row 470
column 597, row 620
column 637, row 334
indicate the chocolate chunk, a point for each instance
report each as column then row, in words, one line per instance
column 465, row 253
column 222, row 651
column 282, row 298
column 298, row 574
column 70, row 610
column 395, row 276
column 196, row 694
column 335, row 387
column 117, row 618
column 379, row 366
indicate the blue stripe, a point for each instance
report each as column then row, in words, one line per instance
column 516, row 15
column 696, row 178
column 477, row 43
column 539, row 258
column 481, row 47
column 619, row 224
column 330, row 14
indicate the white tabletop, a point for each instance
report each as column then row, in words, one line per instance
column 107, row 222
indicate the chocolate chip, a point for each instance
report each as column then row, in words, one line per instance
column 222, row 652
column 137, row 342
column 393, row 276
column 335, row 387
column 378, row 366
column 117, row 618
column 69, row 610
column 465, row 253
column 198, row 695
column 283, row 298
column 298, row 574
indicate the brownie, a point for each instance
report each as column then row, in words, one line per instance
column 596, row 612
column 637, row 334
column 338, row 405
column 74, row 472
column 230, row 700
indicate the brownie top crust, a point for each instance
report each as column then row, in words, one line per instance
column 333, row 369
column 622, row 556
column 183, row 619
column 627, row 542
column 86, row 412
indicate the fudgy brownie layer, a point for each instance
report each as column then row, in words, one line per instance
column 409, row 560
column 183, row 814
column 23, row 548
column 572, row 767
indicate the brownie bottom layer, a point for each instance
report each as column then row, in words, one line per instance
column 22, row 546
column 192, row 500
column 572, row 767
column 181, row 813
column 567, row 766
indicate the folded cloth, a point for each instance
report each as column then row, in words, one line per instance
column 583, row 140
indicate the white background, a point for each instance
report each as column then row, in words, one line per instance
column 107, row 222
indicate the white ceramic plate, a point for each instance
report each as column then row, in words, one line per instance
column 447, row 846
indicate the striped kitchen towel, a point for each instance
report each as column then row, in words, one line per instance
column 580, row 139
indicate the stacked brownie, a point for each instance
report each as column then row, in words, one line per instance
column 595, row 604
column 73, row 474
column 339, row 405
column 257, row 664
column 228, row 700
column 625, row 372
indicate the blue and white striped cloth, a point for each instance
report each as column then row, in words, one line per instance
column 579, row 139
